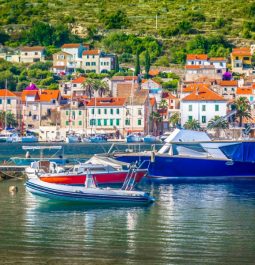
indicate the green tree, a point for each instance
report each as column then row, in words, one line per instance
column 156, row 120
column 7, row 119
column 217, row 123
column 117, row 66
column 163, row 104
column 174, row 119
column 147, row 64
column 192, row 125
column 137, row 64
column 243, row 109
column 101, row 87
column 4, row 37
column 117, row 20
column 88, row 86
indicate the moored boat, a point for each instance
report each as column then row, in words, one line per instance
column 133, row 138
column 29, row 139
column 150, row 139
column 89, row 193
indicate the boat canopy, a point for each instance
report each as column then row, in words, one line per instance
column 42, row 147
column 107, row 161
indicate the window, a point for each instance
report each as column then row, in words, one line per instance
column 67, row 123
column 36, row 53
column 233, row 89
column 127, row 122
column 92, row 122
column 8, row 101
column 190, row 107
column 216, row 107
column 99, row 122
column 246, row 58
column 80, row 112
column 80, row 123
column 117, row 111
column 87, row 56
column 225, row 89
column 251, row 98
column 117, row 122
column 87, row 63
column 237, row 58
column 92, row 111
column 34, row 117
column 139, row 122
column 73, row 113
column 139, row 112
column 93, row 63
column 53, row 101
column 0, row 101
column 111, row 122
column 105, row 122
column 190, row 118
column 105, row 111
column 93, row 56
column 99, row 111
column 203, row 107
column 30, row 114
column 203, row 119
column 111, row 111
column 67, row 112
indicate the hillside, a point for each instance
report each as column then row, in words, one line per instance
column 178, row 21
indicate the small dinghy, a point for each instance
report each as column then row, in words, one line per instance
column 90, row 193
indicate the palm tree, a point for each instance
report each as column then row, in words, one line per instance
column 156, row 119
column 218, row 124
column 2, row 119
column 7, row 119
column 192, row 125
column 101, row 87
column 174, row 119
column 163, row 104
column 88, row 86
column 243, row 109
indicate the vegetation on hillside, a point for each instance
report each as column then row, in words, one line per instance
column 125, row 26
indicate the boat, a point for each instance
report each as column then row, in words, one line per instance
column 27, row 159
column 98, row 139
column 133, row 138
column 189, row 155
column 90, row 192
column 29, row 138
column 72, row 138
column 150, row 139
column 14, row 138
column 104, row 170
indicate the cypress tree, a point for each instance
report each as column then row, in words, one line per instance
column 147, row 64
column 137, row 64
column 117, row 66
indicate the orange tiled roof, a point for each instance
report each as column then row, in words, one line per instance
column 171, row 96
column 203, row 94
column 71, row 45
column 187, row 66
column 228, row 83
column 32, row 48
column 192, row 87
column 197, row 57
column 91, row 52
column 106, row 102
column 47, row 95
column 79, row 80
column 6, row 93
column 26, row 93
column 124, row 90
column 124, row 78
column 218, row 59
column 147, row 80
column 244, row 91
column 154, row 72
column 245, row 51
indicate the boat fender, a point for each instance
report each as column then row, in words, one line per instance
column 152, row 156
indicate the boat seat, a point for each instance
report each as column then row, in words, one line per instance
column 45, row 166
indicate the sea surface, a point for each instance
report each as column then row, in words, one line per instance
column 190, row 223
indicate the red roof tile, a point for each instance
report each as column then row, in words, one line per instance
column 154, row 72
column 106, row 102
column 71, row 45
column 192, row 87
column 203, row 94
column 218, row 59
column 197, row 57
column 32, row 48
column 244, row 91
column 48, row 95
column 6, row 93
column 91, row 52
column 228, row 83
column 244, row 51
column 79, row 80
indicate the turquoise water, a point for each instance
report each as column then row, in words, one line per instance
column 198, row 223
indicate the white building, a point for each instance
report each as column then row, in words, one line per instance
column 32, row 54
column 202, row 105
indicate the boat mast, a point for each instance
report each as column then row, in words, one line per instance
column 5, row 106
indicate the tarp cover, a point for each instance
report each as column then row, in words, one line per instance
column 244, row 151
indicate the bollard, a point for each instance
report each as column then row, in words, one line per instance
column 13, row 189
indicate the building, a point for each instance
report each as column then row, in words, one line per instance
column 73, row 87
column 32, row 54
column 40, row 107
column 11, row 102
column 227, row 88
column 106, row 115
column 202, row 105
column 154, row 88
column 116, row 80
column 220, row 64
column 241, row 60
column 63, row 62
column 125, row 90
column 91, row 61
column 197, row 59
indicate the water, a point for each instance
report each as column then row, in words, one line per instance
column 189, row 224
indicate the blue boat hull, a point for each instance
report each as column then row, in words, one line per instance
column 29, row 139
column 133, row 139
column 172, row 167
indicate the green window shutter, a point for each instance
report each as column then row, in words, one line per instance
column 127, row 122
column 8, row 101
column 190, row 118
column 117, row 111
column 105, row 122
column 80, row 123
column 117, row 122
column 203, row 119
column 217, row 108
column 105, row 111
column 80, row 112
column 0, row 101
column 99, row 111
column 67, row 112
column 99, row 122
column 190, row 107
column 67, row 123
column 111, row 122
column 92, row 111
column 139, row 122
column 111, row 111
column 203, row 107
